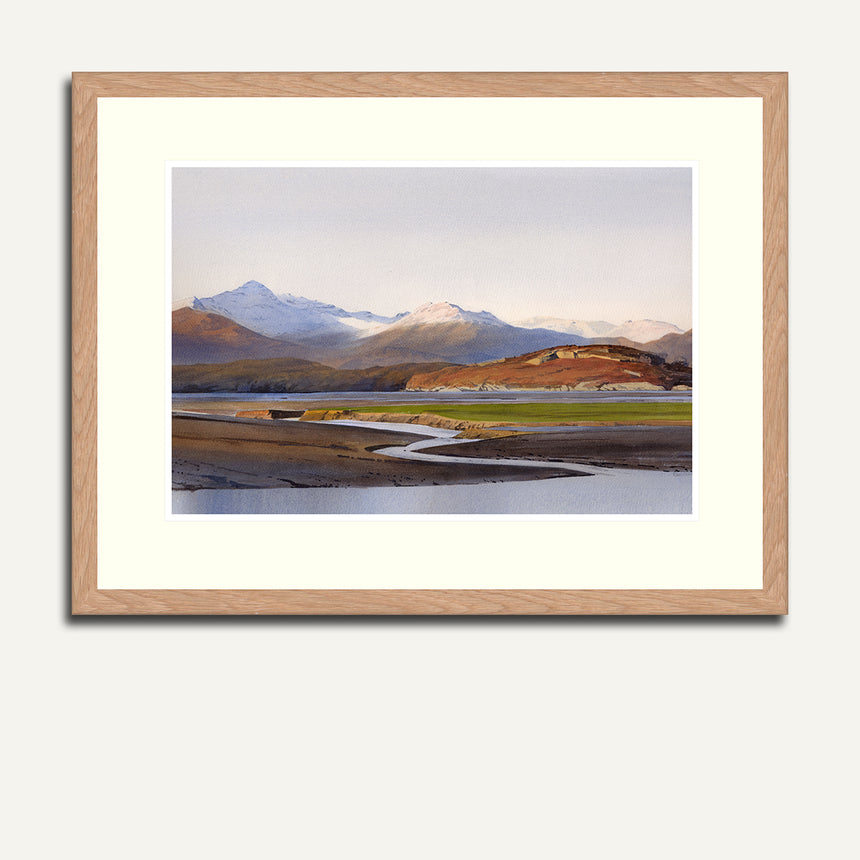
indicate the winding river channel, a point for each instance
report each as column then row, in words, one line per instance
column 590, row 491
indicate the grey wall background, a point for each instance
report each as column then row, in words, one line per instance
column 595, row 738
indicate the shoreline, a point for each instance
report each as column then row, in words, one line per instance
column 219, row 452
column 224, row 452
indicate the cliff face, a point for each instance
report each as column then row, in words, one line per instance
column 600, row 367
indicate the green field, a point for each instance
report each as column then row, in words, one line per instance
column 536, row 413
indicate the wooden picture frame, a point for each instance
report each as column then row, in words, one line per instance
column 87, row 598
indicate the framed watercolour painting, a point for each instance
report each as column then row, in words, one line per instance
column 429, row 343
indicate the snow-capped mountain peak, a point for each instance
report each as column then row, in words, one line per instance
column 640, row 331
column 295, row 318
column 580, row 328
column 253, row 288
column 256, row 307
column 643, row 331
column 436, row 313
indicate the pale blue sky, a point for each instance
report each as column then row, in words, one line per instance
column 581, row 243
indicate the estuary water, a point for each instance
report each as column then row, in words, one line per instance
column 448, row 396
column 609, row 492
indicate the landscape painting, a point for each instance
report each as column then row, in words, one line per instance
column 437, row 339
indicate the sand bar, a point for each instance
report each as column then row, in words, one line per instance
column 213, row 452
column 668, row 449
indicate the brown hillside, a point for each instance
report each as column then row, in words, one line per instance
column 674, row 347
column 201, row 337
column 282, row 375
column 566, row 368
column 458, row 342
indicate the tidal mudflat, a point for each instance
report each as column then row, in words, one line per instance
column 224, row 464
column 245, row 453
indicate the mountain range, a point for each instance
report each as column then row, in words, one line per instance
column 285, row 375
column 638, row 331
column 595, row 367
column 256, row 307
column 252, row 322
